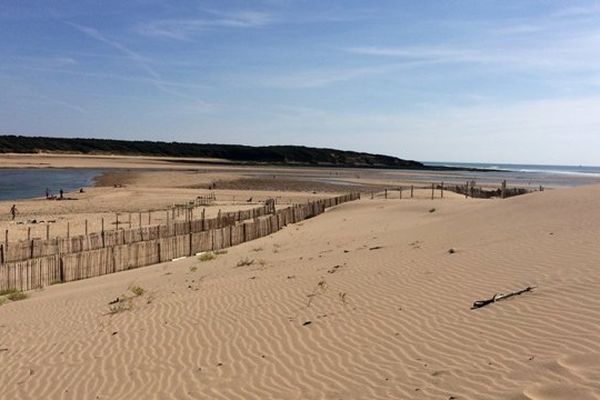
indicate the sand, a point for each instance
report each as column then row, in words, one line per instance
column 363, row 302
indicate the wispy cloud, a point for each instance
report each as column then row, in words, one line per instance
column 141, row 62
column 316, row 78
column 185, row 28
column 132, row 55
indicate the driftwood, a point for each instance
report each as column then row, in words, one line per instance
column 500, row 296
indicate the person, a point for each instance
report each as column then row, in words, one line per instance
column 61, row 194
column 47, row 193
column 13, row 211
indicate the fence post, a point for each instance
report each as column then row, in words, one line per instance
column 149, row 218
column 117, row 220
column 47, row 231
column 400, row 192
column 432, row 190
column 28, row 233
column 503, row 189
column 385, row 194
column 467, row 190
column 103, row 242
column 1, row 254
column 68, row 229
column 442, row 190
column 140, row 219
column 86, row 227
column 412, row 189
column 6, row 239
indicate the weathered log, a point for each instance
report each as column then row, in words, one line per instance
column 500, row 296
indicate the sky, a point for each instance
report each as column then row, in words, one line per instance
column 511, row 81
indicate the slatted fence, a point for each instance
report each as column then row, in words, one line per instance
column 80, row 258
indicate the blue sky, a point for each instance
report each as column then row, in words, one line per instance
column 482, row 80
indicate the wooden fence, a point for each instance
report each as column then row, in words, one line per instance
column 164, row 243
column 34, row 248
column 469, row 190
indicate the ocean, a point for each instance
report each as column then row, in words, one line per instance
column 525, row 174
column 29, row 183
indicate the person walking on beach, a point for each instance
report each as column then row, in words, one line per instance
column 61, row 194
column 13, row 211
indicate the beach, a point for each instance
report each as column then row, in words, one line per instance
column 370, row 300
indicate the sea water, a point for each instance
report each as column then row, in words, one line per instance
column 30, row 183
column 525, row 174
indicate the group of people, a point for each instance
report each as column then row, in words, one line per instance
column 13, row 210
column 51, row 196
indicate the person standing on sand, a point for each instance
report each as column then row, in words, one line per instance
column 47, row 193
column 13, row 211
column 61, row 194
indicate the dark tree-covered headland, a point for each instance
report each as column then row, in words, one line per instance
column 278, row 155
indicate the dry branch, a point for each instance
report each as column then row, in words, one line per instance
column 500, row 296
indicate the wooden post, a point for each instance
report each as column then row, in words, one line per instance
column 28, row 233
column 385, row 193
column 47, row 231
column 503, row 189
column 412, row 189
column 467, row 190
column 140, row 219
column 167, row 212
column 129, row 220
column 371, row 195
column 400, row 191
column 1, row 254
column 68, row 229
column 6, row 239
column 86, row 227
column 432, row 190
column 149, row 218
column 103, row 242
column 442, row 190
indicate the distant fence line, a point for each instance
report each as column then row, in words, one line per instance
column 165, row 243
column 469, row 189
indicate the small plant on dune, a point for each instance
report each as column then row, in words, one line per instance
column 193, row 268
column 6, row 292
column 3, row 300
column 343, row 297
column 432, row 210
column 244, row 262
column 257, row 249
column 207, row 256
column 123, row 304
column 16, row 296
column 137, row 290
column 222, row 251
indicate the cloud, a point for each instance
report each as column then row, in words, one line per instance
column 185, row 28
column 140, row 61
column 132, row 55
column 316, row 78
column 561, row 130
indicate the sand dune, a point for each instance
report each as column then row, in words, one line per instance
column 363, row 302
